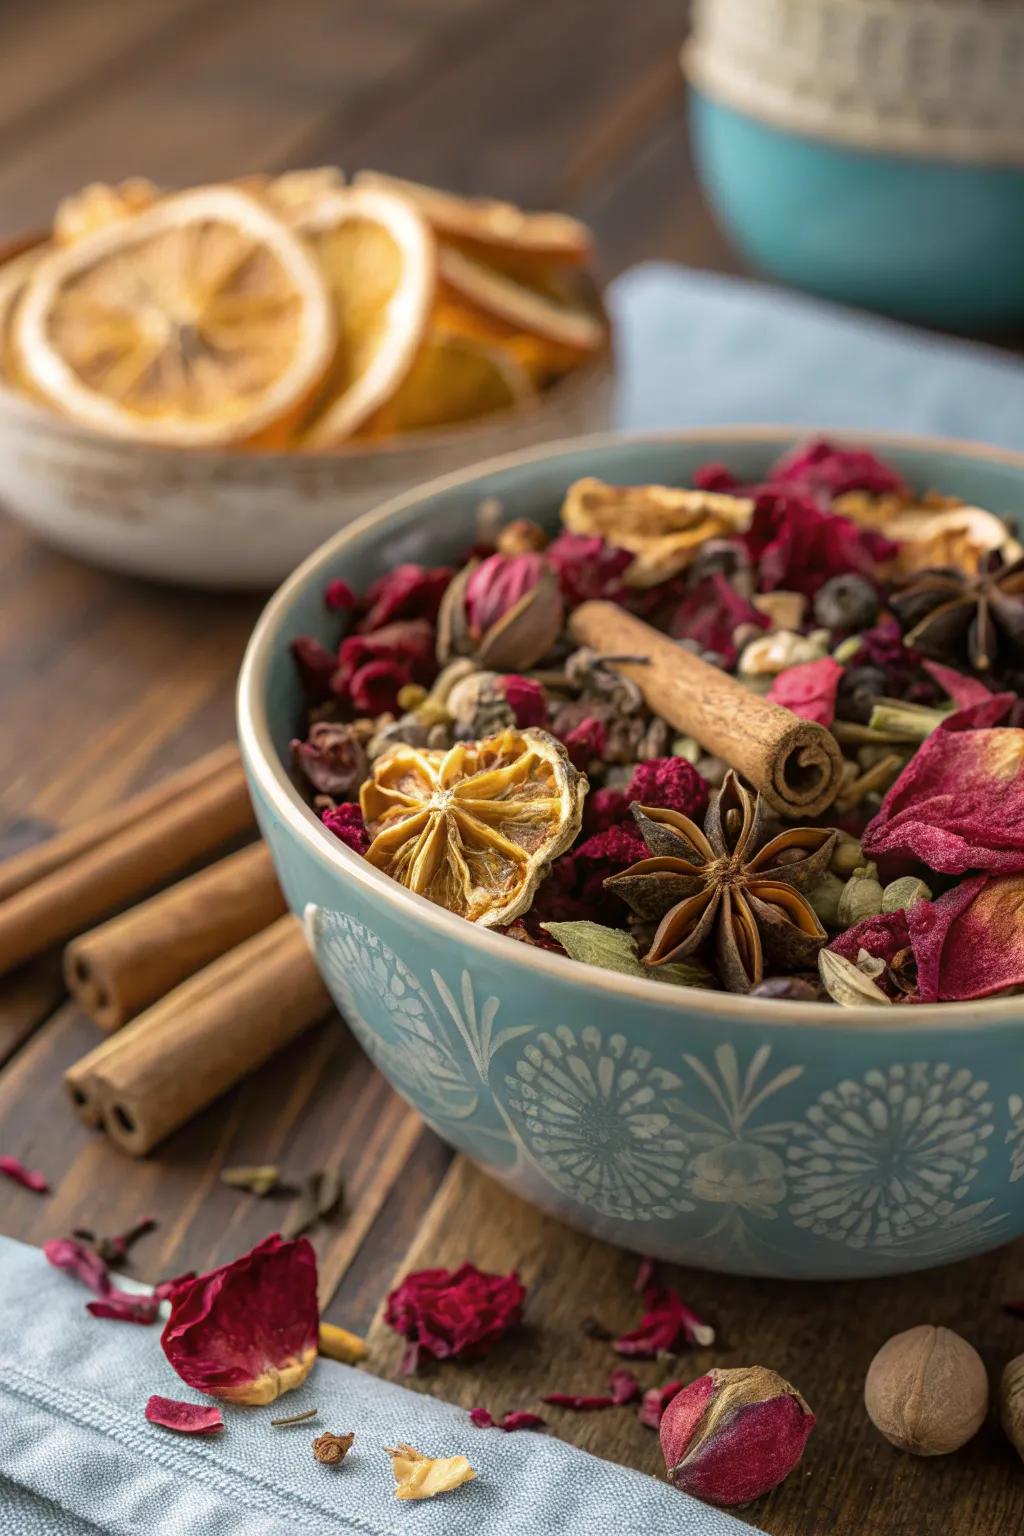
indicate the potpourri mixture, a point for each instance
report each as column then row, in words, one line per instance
column 462, row 740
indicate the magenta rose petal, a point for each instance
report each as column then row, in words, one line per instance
column 77, row 1259
column 28, row 1178
column 654, row 1402
column 122, row 1307
column 451, row 1313
column 970, row 943
column 623, row 1386
column 666, row 1324
column 809, row 690
column 248, row 1331
column 964, row 691
column 185, row 1418
column 582, row 1402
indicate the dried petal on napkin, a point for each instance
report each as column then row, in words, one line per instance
column 248, row 1331
column 514, row 1419
column 186, row 1418
column 451, row 1313
column 423, row 1477
column 809, row 690
column 959, row 803
column 27, row 1177
column 125, row 1308
column 78, row 1259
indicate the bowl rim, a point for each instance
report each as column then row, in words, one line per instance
column 271, row 774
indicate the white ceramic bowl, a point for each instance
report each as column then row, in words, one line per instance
column 237, row 519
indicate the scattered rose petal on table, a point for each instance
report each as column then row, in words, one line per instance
column 451, row 1313
column 654, row 1402
column 186, row 1418
column 667, row 1322
column 12, row 1168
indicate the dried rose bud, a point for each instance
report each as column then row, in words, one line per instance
column 731, row 1436
column 506, row 612
column 331, row 1449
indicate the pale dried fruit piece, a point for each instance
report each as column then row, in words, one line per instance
column 495, row 230
column 294, row 195
column 543, row 311
column 474, row 828
column 378, row 259
column 661, row 526
column 202, row 321
column 929, row 535
column 927, row 1391
column 541, row 357
column 453, row 378
column 99, row 204
column 423, row 1477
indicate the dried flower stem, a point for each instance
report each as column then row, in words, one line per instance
column 295, row 1418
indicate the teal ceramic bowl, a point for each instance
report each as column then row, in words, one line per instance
column 930, row 240
column 729, row 1132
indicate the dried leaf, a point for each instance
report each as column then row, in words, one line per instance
column 424, row 1477
column 258, row 1179
column 615, row 950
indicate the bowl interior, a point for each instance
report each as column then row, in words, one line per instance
column 436, row 524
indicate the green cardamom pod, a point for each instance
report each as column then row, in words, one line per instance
column 862, row 897
column 904, row 893
column 847, row 856
column 824, row 900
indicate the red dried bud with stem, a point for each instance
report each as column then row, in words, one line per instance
column 451, row 1313
column 733, row 1435
column 506, row 612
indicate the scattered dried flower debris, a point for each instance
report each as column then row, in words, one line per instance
column 424, row 1477
column 247, row 1332
column 321, row 1194
column 185, row 1418
column 338, row 1344
column 654, row 1402
column 28, row 1178
column 122, row 1307
column 257, row 1179
column 667, row 1325
column 514, row 1419
column 294, row 1418
column 117, row 1249
column 330, row 1450
column 448, row 1314
column 623, row 1388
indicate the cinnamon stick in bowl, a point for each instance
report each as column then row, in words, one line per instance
column 118, row 969
column 796, row 764
column 190, row 1047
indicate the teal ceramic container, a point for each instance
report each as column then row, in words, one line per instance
column 929, row 240
column 728, row 1132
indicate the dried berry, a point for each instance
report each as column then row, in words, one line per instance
column 526, row 699
column 670, row 783
column 451, row 1313
column 846, row 602
column 186, row 1418
column 248, row 1331
column 927, row 1391
column 733, row 1435
column 330, row 1450
column 346, row 822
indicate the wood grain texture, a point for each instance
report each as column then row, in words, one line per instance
column 821, row 1337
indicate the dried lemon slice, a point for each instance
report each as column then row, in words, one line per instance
column 474, row 828
column 99, row 204
column 495, row 230
column 540, row 310
column 200, row 321
column 14, row 278
column 378, row 259
column 661, row 526
column 453, row 378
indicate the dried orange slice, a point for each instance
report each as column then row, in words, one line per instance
column 453, row 378
column 474, row 829
column 379, row 262
column 541, row 311
column 202, row 321
column 294, row 195
column 99, row 204
column 494, row 230
column 14, row 278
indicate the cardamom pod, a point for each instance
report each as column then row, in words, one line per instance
column 847, row 856
column 824, row 900
column 846, row 984
column 905, row 893
column 862, row 897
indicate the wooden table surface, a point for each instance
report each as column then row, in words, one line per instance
column 106, row 684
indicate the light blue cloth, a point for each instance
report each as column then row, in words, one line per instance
column 77, row 1456
column 697, row 349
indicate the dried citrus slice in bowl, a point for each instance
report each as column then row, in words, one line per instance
column 495, row 230
column 202, row 321
column 540, row 309
column 99, row 204
column 379, row 262
column 453, row 378
column 474, row 828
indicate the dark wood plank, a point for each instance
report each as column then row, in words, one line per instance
column 821, row 1337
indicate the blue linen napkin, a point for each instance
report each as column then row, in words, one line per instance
column 77, row 1456
column 697, row 349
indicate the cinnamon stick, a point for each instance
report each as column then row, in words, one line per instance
column 25, row 868
column 202, row 1038
column 118, row 969
column 795, row 763
column 126, row 864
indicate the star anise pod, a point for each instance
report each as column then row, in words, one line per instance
column 721, row 887
column 953, row 615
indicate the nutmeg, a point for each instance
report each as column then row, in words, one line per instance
column 927, row 1391
column 1011, row 1404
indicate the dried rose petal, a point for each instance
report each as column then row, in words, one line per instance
column 732, row 1435
column 655, row 1401
column 451, row 1313
column 959, row 803
column 408, row 643
column 27, row 1177
column 623, row 1386
column 526, row 699
column 514, row 1419
column 339, row 597
column 588, row 568
column 346, row 822
column 374, row 689
column 809, row 690
column 82, row 1262
column 670, row 783
column 710, row 615
column 970, row 943
column 166, row 1289
column 482, row 1418
column 964, row 691
column 248, row 1331
column 332, row 759
column 316, row 666
column 126, row 1308
column 645, row 1275
column 666, row 1324
column 407, row 592
column 582, row 1402
column 797, row 547
column 833, row 470
column 585, row 741
column 715, row 476
column 186, row 1418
